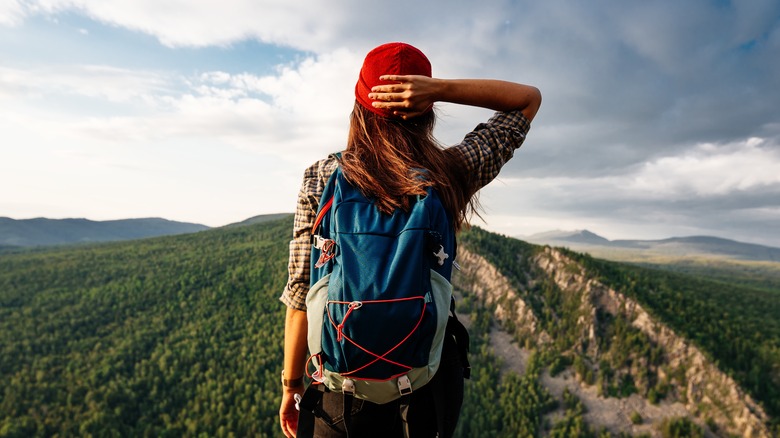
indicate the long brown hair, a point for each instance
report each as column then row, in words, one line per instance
column 386, row 157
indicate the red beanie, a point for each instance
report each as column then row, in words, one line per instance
column 388, row 59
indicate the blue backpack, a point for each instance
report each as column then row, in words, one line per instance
column 380, row 293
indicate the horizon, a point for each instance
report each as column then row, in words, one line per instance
column 515, row 236
column 657, row 119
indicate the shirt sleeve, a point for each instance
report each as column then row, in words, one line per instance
column 491, row 144
column 298, row 270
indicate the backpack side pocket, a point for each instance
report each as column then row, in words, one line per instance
column 316, row 300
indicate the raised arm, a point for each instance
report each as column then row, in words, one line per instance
column 412, row 95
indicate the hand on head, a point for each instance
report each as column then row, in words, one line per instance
column 410, row 95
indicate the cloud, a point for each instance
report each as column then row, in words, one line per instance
column 300, row 111
column 729, row 189
column 681, row 67
column 706, row 173
column 624, row 83
column 654, row 113
column 11, row 13
column 311, row 25
column 711, row 170
column 107, row 83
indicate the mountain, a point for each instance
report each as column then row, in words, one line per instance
column 47, row 232
column 260, row 219
column 675, row 246
column 579, row 236
column 181, row 336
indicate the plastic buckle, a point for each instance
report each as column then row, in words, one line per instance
column 404, row 385
column 318, row 241
column 348, row 387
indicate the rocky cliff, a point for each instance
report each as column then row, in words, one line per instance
column 666, row 375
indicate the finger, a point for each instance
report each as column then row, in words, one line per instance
column 388, row 105
column 384, row 89
column 384, row 97
column 290, row 431
column 289, row 424
column 394, row 78
column 392, row 88
column 389, row 88
column 289, row 428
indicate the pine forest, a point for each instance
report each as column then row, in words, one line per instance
column 182, row 336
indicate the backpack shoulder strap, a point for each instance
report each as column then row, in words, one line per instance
column 321, row 214
column 326, row 200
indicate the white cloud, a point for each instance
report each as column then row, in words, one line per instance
column 107, row 83
column 728, row 190
column 705, row 171
column 300, row 111
column 205, row 23
column 11, row 13
column 309, row 25
column 710, row 170
column 211, row 148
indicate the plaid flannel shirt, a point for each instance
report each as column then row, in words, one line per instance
column 485, row 150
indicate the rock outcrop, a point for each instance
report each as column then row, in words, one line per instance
column 700, row 388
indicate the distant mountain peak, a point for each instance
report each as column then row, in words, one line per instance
column 576, row 236
column 585, row 240
column 44, row 232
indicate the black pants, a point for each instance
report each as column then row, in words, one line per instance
column 371, row 420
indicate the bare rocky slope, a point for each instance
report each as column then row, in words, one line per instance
column 697, row 388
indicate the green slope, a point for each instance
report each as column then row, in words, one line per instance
column 181, row 336
column 162, row 337
column 736, row 325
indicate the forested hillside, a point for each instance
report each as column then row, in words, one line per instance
column 175, row 336
column 181, row 336
column 629, row 330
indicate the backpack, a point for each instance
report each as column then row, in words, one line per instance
column 380, row 293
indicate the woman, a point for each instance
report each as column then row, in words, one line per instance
column 390, row 140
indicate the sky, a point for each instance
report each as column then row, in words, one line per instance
column 659, row 119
